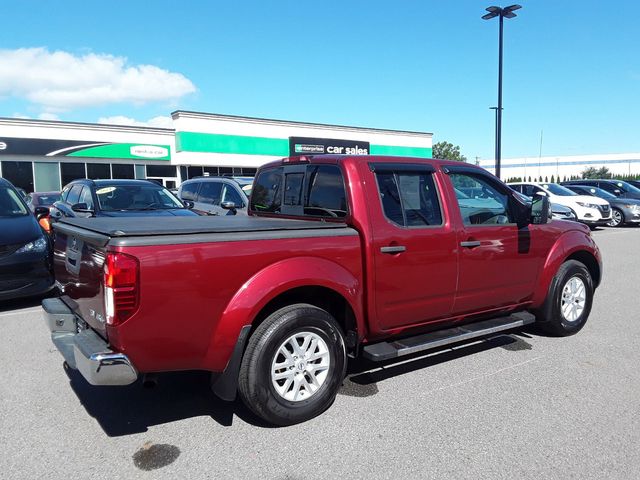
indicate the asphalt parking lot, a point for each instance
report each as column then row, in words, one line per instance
column 513, row 406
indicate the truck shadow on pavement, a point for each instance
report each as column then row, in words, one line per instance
column 182, row 395
column 177, row 396
column 363, row 375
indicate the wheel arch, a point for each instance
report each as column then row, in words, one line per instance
column 316, row 281
column 572, row 245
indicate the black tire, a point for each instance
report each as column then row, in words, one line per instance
column 616, row 213
column 550, row 318
column 255, row 381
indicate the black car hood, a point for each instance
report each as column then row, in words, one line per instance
column 15, row 230
column 177, row 212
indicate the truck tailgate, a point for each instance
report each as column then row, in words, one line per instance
column 79, row 257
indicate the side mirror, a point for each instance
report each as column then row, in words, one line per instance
column 617, row 192
column 229, row 206
column 81, row 208
column 540, row 210
column 188, row 204
column 40, row 212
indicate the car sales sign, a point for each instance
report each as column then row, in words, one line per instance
column 319, row 146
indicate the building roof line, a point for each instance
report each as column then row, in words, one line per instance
column 29, row 122
column 236, row 118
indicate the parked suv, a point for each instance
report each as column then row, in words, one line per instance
column 619, row 188
column 623, row 210
column 592, row 211
column 214, row 195
column 117, row 198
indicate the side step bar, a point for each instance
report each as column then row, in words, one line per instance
column 427, row 341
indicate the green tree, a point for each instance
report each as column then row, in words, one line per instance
column 593, row 172
column 448, row 151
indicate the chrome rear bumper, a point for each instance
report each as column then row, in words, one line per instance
column 84, row 350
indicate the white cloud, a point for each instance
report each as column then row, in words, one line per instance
column 160, row 122
column 48, row 116
column 59, row 81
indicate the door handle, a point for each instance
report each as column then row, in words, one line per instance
column 470, row 243
column 394, row 249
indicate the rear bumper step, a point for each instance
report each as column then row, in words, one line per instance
column 427, row 341
column 85, row 350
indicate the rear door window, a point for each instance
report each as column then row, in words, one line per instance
column 409, row 199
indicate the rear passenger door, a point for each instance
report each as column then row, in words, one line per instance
column 414, row 246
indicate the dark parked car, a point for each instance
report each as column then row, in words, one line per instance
column 42, row 199
column 619, row 188
column 214, row 195
column 117, row 198
column 623, row 210
column 635, row 183
column 25, row 260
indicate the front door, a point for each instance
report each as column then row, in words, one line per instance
column 414, row 246
column 498, row 261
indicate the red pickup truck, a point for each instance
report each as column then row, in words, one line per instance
column 340, row 256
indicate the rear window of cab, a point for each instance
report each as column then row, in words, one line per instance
column 308, row 190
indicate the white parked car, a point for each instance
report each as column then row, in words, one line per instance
column 589, row 210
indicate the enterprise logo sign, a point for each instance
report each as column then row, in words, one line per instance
column 318, row 146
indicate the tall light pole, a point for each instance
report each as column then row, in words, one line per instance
column 502, row 13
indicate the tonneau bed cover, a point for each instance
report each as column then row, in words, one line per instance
column 155, row 230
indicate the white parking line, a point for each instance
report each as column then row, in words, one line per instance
column 20, row 312
column 485, row 375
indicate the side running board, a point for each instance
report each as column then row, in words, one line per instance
column 427, row 341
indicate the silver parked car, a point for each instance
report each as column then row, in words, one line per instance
column 214, row 195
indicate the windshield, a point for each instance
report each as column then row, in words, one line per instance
column 135, row 197
column 627, row 187
column 558, row 190
column 10, row 203
column 598, row 192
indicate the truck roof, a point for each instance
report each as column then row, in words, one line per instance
column 335, row 159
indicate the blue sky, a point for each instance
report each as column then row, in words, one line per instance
column 572, row 68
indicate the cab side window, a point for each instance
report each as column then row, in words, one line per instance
column 409, row 199
column 480, row 202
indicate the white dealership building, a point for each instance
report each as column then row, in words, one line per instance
column 622, row 164
column 39, row 155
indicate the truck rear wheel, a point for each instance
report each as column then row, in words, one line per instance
column 293, row 365
column 568, row 301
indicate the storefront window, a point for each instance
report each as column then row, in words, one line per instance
column 19, row 173
column 72, row 171
column 161, row 171
column 122, row 170
column 96, row 171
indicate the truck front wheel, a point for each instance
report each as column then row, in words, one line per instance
column 568, row 302
column 293, row 365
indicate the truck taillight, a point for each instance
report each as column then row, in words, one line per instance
column 121, row 287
